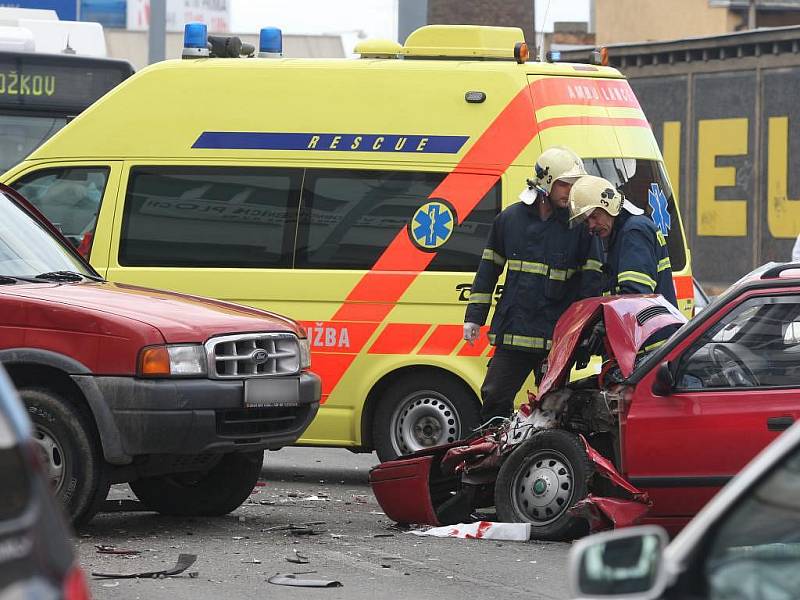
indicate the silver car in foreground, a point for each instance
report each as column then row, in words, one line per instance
column 743, row 545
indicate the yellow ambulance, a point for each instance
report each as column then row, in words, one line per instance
column 354, row 195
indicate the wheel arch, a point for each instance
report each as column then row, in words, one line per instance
column 385, row 382
column 71, row 379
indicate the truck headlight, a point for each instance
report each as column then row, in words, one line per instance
column 305, row 353
column 175, row 360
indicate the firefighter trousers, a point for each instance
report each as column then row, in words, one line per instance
column 507, row 371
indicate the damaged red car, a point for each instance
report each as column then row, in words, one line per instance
column 649, row 439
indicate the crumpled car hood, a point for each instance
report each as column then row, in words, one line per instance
column 630, row 320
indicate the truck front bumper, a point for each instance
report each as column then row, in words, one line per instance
column 138, row 417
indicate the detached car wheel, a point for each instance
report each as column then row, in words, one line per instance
column 69, row 450
column 211, row 493
column 421, row 412
column 540, row 481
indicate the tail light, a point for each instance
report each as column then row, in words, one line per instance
column 75, row 587
column 85, row 247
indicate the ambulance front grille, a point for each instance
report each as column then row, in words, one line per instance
column 253, row 355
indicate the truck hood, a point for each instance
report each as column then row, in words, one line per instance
column 180, row 318
column 629, row 320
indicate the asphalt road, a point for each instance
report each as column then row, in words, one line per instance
column 352, row 542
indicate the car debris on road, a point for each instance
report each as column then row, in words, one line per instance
column 293, row 580
column 184, row 562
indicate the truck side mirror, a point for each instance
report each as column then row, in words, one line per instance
column 627, row 563
column 665, row 381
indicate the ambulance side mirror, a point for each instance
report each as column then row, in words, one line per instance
column 665, row 381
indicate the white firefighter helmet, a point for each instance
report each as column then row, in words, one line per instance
column 556, row 163
column 590, row 192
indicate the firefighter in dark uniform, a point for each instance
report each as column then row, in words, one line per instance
column 638, row 259
column 548, row 266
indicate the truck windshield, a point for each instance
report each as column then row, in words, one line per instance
column 27, row 249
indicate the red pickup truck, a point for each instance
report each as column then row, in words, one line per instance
column 176, row 394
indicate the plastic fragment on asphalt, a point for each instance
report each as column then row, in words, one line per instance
column 184, row 562
column 298, row 559
column 487, row 530
column 292, row 580
column 102, row 549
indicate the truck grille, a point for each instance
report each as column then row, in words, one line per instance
column 260, row 421
column 253, row 355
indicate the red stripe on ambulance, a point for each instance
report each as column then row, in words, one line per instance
column 443, row 340
column 375, row 295
column 684, row 288
column 595, row 92
column 399, row 338
column 589, row 121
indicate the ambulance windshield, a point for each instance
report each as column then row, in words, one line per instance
column 645, row 184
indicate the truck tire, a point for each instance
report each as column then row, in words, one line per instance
column 210, row 493
column 70, row 452
column 540, row 481
column 422, row 411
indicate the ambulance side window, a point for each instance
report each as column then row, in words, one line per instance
column 69, row 197
column 349, row 217
column 463, row 250
column 210, row 217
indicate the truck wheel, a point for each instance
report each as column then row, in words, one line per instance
column 422, row 411
column 209, row 493
column 70, row 452
column 540, row 481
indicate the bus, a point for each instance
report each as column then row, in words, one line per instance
column 43, row 86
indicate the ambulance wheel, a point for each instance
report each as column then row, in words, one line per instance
column 540, row 481
column 210, row 493
column 420, row 412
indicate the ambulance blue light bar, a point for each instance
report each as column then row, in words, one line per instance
column 195, row 40
column 270, row 43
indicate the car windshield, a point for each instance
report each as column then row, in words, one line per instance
column 27, row 249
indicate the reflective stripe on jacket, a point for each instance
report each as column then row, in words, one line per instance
column 548, row 266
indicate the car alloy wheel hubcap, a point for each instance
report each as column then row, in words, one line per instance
column 543, row 487
column 51, row 455
column 423, row 420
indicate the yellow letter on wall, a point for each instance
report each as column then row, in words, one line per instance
column 719, row 137
column 783, row 213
